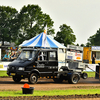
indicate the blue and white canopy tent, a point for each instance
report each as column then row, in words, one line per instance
column 43, row 41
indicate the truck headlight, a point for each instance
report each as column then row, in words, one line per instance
column 20, row 68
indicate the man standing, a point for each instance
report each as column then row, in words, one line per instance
column 93, row 59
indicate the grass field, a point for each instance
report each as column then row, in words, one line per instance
column 3, row 73
column 52, row 92
column 90, row 74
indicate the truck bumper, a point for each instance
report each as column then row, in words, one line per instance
column 23, row 74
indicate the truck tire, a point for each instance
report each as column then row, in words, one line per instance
column 84, row 75
column 74, row 78
column 58, row 80
column 33, row 78
column 16, row 79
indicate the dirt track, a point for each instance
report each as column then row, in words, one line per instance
column 48, row 84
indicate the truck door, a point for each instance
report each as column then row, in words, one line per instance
column 47, row 64
column 42, row 63
column 52, row 63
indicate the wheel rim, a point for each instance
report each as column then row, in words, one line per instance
column 75, row 79
column 33, row 79
column 85, row 75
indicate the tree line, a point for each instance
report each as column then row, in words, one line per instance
column 30, row 21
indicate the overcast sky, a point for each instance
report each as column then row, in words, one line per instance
column 83, row 16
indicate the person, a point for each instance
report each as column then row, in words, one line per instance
column 13, row 56
column 40, row 56
column 93, row 59
column 6, row 56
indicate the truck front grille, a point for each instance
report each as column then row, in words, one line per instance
column 73, row 65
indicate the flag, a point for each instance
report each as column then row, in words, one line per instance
column 45, row 30
column 44, row 37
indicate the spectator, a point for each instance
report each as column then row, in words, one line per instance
column 6, row 56
column 12, row 55
column 93, row 59
column 15, row 55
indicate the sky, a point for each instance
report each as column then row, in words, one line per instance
column 83, row 16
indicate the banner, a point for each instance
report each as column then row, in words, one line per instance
column 3, row 65
column 91, row 66
column 74, row 56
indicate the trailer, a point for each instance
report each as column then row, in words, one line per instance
column 74, row 67
column 58, row 64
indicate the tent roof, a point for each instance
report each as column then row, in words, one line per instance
column 37, row 41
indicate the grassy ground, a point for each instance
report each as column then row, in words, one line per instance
column 52, row 92
column 3, row 73
column 90, row 74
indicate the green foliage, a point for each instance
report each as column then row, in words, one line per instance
column 32, row 22
column 77, row 44
column 88, row 44
column 17, row 27
column 65, row 35
column 82, row 45
column 94, row 40
column 8, row 24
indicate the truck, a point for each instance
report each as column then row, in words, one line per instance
column 58, row 64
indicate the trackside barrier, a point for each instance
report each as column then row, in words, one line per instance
column 3, row 65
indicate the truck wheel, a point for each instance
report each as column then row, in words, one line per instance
column 33, row 78
column 16, row 79
column 84, row 75
column 74, row 78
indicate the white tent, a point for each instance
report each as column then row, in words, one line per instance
column 42, row 40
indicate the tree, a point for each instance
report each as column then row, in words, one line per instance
column 88, row 44
column 32, row 22
column 82, row 45
column 77, row 44
column 8, row 24
column 94, row 40
column 65, row 35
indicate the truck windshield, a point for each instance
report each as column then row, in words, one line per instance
column 26, row 55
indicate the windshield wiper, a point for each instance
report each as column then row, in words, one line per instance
column 27, row 59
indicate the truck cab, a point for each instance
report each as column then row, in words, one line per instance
column 34, row 63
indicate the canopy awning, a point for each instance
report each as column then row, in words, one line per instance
column 42, row 40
